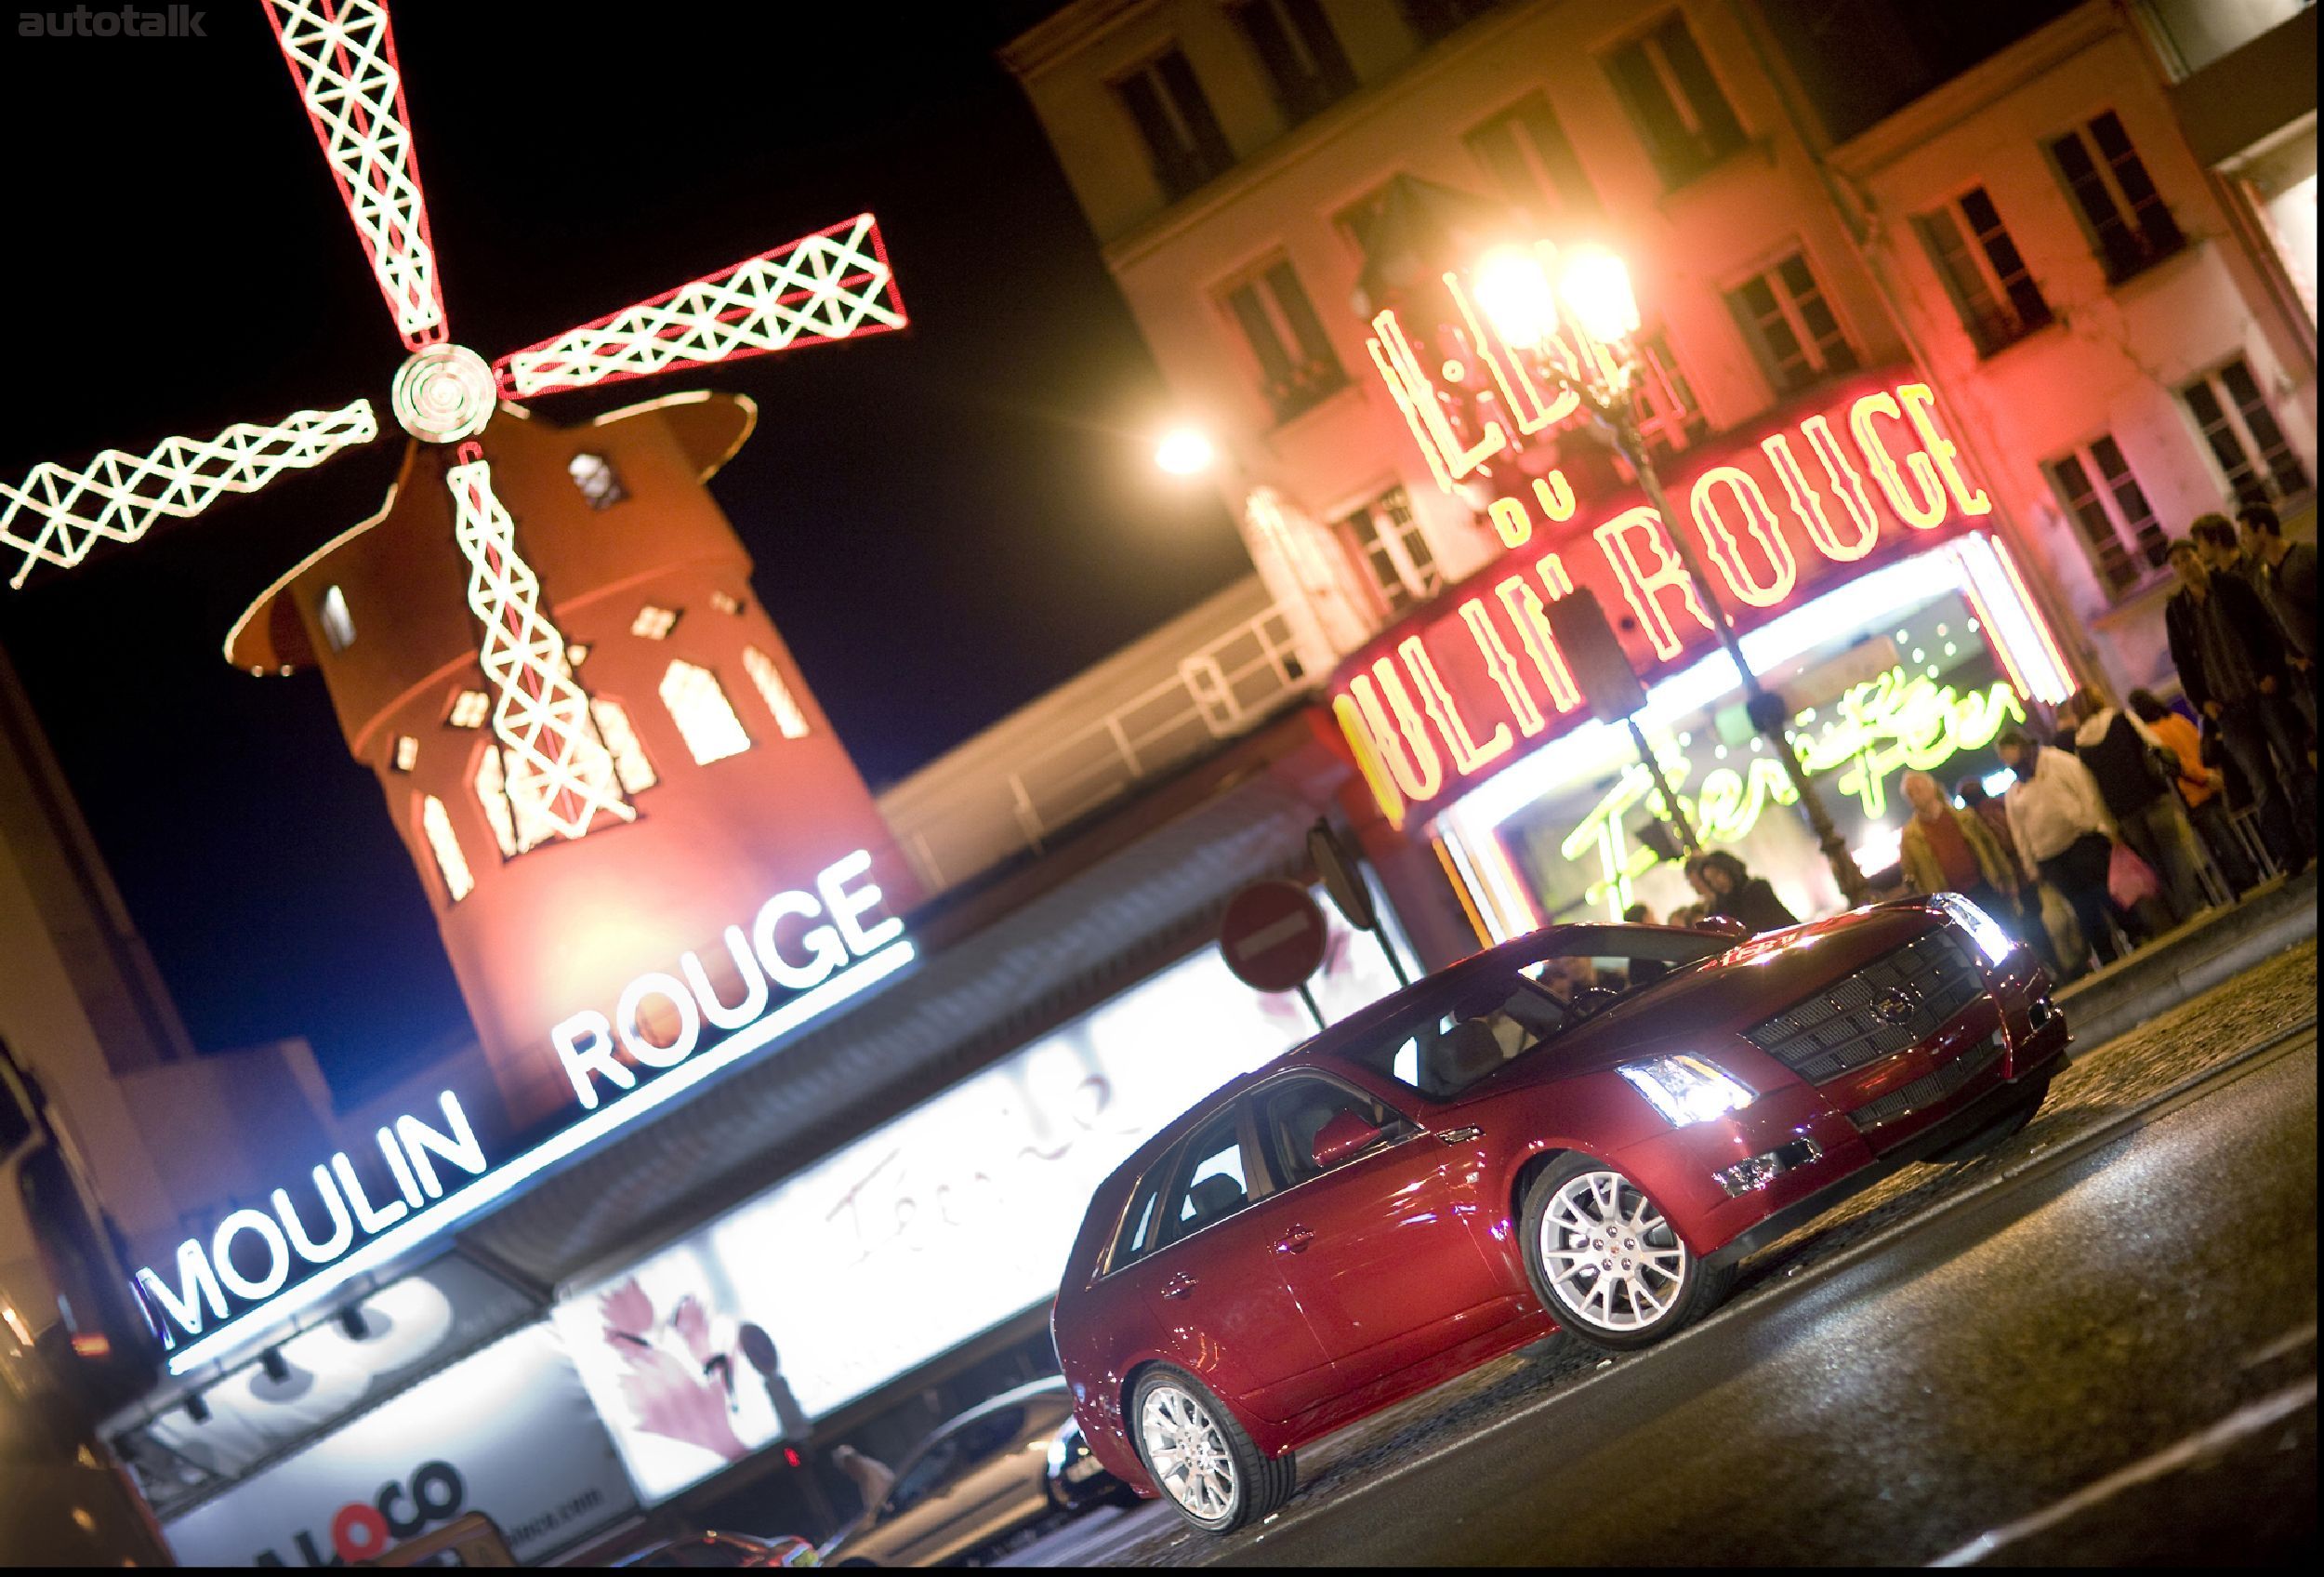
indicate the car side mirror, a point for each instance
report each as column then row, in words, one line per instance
column 1346, row 1134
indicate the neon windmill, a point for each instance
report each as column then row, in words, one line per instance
column 559, row 775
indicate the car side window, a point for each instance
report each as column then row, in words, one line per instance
column 1294, row 1110
column 1141, row 1224
column 1215, row 1181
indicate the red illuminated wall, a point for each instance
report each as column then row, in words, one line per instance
column 564, row 925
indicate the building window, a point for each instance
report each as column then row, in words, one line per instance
column 1432, row 20
column 2245, row 437
column 1297, row 366
column 1305, row 65
column 1525, row 152
column 621, row 741
column 469, row 708
column 1356, row 220
column 492, row 792
column 1174, row 117
column 435, row 824
column 338, row 624
column 726, row 603
column 654, row 623
column 2110, row 510
column 1791, row 328
column 595, row 477
column 1675, row 102
column 406, row 753
column 704, row 717
column 1983, row 271
column 1662, row 401
column 2124, row 213
column 1385, row 537
column 777, row 695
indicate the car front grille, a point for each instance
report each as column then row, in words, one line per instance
column 1930, row 1088
column 1891, row 1004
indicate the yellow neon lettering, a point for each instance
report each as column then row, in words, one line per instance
column 1922, row 506
column 1807, row 502
column 1556, row 495
column 1415, row 397
column 1498, row 662
column 1639, row 587
column 1413, row 762
column 1919, row 403
column 1509, row 522
column 1760, row 520
column 1367, row 763
column 1467, row 754
column 1525, row 608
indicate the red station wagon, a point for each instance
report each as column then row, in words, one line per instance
column 1585, row 1129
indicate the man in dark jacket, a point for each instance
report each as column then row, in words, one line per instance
column 2231, row 657
column 2284, row 574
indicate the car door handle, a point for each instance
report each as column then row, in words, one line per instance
column 1178, row 1286
column 1461, row 1135
column 1294, row 1241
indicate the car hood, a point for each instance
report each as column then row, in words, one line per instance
column 1709, row 1005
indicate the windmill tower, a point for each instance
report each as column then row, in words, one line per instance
column 594, row 743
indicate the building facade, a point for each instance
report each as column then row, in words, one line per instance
column 2005, row 211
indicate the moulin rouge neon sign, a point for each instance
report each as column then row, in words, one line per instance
column 1436, row 703
column 803, row 954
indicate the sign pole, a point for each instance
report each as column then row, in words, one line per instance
column 1671, row 811
column 1314, row 1011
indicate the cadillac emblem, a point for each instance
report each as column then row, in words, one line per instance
column 1894, row 1007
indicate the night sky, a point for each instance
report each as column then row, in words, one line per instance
column 946, row 521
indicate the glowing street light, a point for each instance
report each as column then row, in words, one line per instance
column 1183, row 451
column 1514, row 289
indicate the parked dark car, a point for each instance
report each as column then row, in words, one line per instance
column 980, row 1485
column 725, row 1550
column 1075, row 1479
column 1587, row 1127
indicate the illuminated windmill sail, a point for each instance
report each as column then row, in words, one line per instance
column 559, row 774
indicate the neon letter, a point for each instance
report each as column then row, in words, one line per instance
column 1808, row 504
column 1367, row 763
column 1556, row 495
column 1920, row 511
column 1510, row 522
column 370, row 1220
column 278, row 1255
column 1727, row 553
column 826, row 952
column 1525, row 608
column 1638, row 587
column 399, row 1169
column 845, row 906
column 1494, row 651
column 1467, row 755
column 754, row 1000
column 1414, row 763
column 585, row 1046
column 1415, row 397
column 197, row 1283
column 342, row 1224
column 461, row 1148
column 1918, row 402
column 633, row 1037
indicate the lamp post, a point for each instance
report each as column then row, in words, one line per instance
column 1515, row 291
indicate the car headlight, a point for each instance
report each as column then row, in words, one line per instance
column 1984, row 930
column 1688, row 1089
column 1056, row 1455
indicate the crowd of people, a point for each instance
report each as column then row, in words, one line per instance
column 2120, row 815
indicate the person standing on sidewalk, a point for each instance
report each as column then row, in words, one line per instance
column 2136, row 773
column 1947, row 850
column 2201, row 789
column 2064, row 836
column 2284, row 574
column 2230, row 656
column 1730, row 889
column 2053, row 943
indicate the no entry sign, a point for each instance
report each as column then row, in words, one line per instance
column 1273, row 935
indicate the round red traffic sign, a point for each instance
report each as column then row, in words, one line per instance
column 1273, row 935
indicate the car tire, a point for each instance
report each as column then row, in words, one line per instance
column 1230, row 1483
column 1642, row 1287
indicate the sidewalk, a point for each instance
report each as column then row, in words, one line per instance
column 2182, row 963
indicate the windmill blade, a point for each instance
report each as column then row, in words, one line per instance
column 57, row 514
column 833, row 285
column 342, row 55
column 556, row 770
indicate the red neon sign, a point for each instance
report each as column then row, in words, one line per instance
column 1445, row 697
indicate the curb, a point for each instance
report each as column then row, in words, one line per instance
column 2256, row 930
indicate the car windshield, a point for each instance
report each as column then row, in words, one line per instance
column 1478, row 1022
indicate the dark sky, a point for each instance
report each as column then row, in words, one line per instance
column 946, row 521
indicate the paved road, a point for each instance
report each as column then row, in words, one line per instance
column 2134, row 1326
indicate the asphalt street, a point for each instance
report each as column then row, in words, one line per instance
column 2106, row 1357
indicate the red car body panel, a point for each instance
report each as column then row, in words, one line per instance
column 1323, row 1301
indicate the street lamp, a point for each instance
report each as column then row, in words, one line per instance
column 1183, row 451
column 1512, row 286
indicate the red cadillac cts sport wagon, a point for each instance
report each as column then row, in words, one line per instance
column 1584, row 1129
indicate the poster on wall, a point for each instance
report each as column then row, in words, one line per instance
column 922, row 1234
column 507, row 1431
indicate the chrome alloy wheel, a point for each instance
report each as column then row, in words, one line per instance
column 1187, row 1453
column 1611, row 1258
